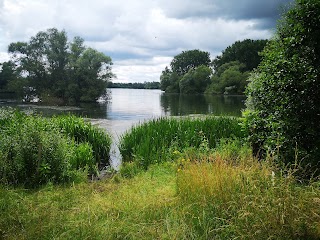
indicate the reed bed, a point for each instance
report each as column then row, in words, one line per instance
column 83, row 131
column 154, row 141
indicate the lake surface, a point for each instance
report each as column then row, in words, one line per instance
column 128, row 107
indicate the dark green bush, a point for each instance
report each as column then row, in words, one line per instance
column 36, row 150
column 284, row 93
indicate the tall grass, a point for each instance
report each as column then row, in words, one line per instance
column 150, row 142
column 82, row 131
column 132, row 209
column 205, row 194
column 228, row 198
column 36, row 150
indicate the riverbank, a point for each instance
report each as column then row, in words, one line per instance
column 197, row 196
column 188, row 178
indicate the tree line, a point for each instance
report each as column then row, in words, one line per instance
column 193, row 71
column 53, row 67
column 136, row 85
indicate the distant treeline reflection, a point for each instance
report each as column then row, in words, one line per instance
column 185, row 104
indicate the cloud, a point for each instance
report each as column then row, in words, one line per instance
column 141, row 36
column 227, row 9
column 142, row 70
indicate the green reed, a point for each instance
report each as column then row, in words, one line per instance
column 150, row 142
column 83, row 131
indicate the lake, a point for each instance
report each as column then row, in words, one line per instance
column 128, row 107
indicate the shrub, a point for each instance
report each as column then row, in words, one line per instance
column 284, row 93
column 36, row 150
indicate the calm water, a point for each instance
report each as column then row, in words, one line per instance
column 131, row 106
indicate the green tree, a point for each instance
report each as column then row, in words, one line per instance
column 169, row 81
column 284, row 92
column 196, row 80
column 229, row 79
column 165, row 79
column 187, row 60
column 54, row 66
column 180, row 66
column 246, row 52
column 7, row 74
column 93, row 72
column 76, row 50
column 32, row 59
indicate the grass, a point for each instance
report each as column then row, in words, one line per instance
column 83, row 131
column 130, row 209
column 201, row 182
column 245, row 199
column 152, row 141
column 207, row 194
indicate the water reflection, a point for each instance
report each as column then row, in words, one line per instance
column 180, row 104
column 138, row 104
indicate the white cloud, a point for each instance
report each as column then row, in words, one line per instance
column 137, row 33
column 4, row 57
column 135, row 70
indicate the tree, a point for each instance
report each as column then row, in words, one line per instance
column 55, row 67
column 284, row 92
column 187, row 60
column 7, row 74
column 196, row 80
column 94, row 70
column 165, row 79
column 246, row 52
column 229, row 79
column 180, row 66
column 169, row 81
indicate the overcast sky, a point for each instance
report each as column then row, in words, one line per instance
column 142, row 36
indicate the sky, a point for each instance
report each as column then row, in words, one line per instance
column 142, row 36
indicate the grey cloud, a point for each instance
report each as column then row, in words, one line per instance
column 266, row 11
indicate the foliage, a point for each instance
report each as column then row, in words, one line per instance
column 190, row 70
column 246, row 52
column 148, row 143
column 195, row 80
column 284, row 93
column 229, row 79
column 183, row 64
column 84, row 132
column 208, row 196
column 36, row 150
column 145, row 85
column 169, row 81
column 54, row 66
column 231, row 69
column 7, row 74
